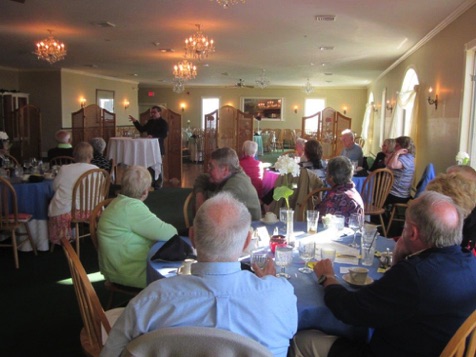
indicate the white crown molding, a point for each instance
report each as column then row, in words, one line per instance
column 98, row 76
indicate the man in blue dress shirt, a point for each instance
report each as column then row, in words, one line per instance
column 418, row 305
column 218, row 293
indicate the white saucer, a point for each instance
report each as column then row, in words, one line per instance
column 346, row 277
column 269, row 222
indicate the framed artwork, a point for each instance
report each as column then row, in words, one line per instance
column 268, row 108
column 105, row 99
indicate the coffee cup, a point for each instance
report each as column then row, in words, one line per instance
column 270, row 217
column 358, row 275
column 186, row 268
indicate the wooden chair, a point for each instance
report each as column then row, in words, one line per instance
column 90, row 188
column 463, row 342
column 187, row 210
column 360, row 141
column 12, row 159
column 97, row 322
column 201, row 341
column 11, row 220
column 61, row 160
column 313, row 198
column 375, row 190
column 109, row 285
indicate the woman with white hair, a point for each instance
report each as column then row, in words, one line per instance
column 127, row 230
column 99, row 145
column 252, row 167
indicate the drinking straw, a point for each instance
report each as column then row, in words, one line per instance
column 373, row 239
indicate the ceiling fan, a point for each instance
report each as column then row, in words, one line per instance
column 241, row 84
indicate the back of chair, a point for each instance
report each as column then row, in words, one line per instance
column 463, row 342
column 375, row 190
column 194, row 341
column 94, row 219
column 314, row 198
column 187, row 210
column 61, row 160
column 91, row 310
column 12, row 159
column 9, row 204
column 90, row 188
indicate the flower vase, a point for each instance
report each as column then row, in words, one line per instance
column 291, row 240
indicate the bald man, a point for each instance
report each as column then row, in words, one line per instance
column 420, row 302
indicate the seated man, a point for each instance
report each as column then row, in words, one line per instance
column 218, row 293
column 351, row 150
column 225, row 174
column 418, row 305
column 63, row 146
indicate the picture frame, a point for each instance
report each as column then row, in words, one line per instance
column 268, row 108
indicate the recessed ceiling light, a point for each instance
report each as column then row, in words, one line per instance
column 323, row 64
column 328, row 74
column 326, row 48
column 325, row 17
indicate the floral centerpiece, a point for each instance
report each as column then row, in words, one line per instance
column 286, row 166
column 462, row 158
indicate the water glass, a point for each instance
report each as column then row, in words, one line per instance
column 328, row 253
column 312, row 218
column 369, row 240
column 339, row 222
column 283, row 258
column 258, row 257
column 306, row 253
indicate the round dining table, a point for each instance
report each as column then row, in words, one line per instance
column 312, row 311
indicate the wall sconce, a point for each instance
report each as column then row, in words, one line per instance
column 182, row 106
column 126, row 104
column 389, row 106
column 374, row 107
column 344, row 109
column 82, row 102
column 432, row 101
column 295, row 109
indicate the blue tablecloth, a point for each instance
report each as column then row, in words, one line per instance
column 358, row 182
column 312, row 312
column 34, row 198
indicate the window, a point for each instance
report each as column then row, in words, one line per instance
column 209, row 105
column 468, row 115
column 311, row 107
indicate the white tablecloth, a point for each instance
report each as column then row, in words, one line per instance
column 141, row 151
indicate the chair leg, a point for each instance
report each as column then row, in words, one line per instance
column 28, row 235
column 383, row 226
column 15, row 249
column 76, row 233
column 391, row 218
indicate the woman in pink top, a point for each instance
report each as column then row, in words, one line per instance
column 252, row 167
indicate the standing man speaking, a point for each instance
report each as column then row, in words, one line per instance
column 156, row 127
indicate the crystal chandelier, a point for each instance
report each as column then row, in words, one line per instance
column 185, row 70
column 262, row 82
column 228, row 3
column 179, row 85
column 198, row 46
column 308, row 88
column 50, row 49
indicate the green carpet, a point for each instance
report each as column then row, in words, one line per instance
column 40, row 316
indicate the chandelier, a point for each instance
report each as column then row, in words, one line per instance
column 198, row 46
column 228, row 3
column 50, row 49
column 185, row 70
column 262, row 82
column 179, row 85
column 308, row 88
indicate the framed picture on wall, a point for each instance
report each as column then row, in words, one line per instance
column 268, row 108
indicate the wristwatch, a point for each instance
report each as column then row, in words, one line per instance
column 322, row 279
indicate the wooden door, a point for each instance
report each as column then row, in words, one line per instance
column 312, row 121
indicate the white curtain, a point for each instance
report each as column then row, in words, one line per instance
column 405, row 101
column 367, row 126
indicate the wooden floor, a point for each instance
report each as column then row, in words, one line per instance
column 189, row 172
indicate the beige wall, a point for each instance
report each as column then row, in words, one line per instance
column 9, row 79
column 440, row 64
column 353, row 99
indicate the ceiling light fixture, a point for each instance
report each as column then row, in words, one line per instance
column 227, row 3
column 198, row 46
column 262, row 82
column 308, row 88
column 179, row 86
column 50, row 49
column 185, row 70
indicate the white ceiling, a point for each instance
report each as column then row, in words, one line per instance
column 280, row 36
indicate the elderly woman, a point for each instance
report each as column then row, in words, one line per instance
column 462, row 189
column 252, row 167
column 342, row 198
column 59, row 210
column 312, row 158
column 99, row 160
column 402, row 164
column 127, row 230
column 388, row 147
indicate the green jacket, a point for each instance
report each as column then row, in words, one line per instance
column 126, row 232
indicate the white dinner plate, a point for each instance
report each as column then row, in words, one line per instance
column 347, row 279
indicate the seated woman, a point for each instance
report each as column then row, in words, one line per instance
column 127, row 230
column 63, row 146
column 99, row 160
column 312, row 159
column 402, row 164
column 59, row 210
column 342, row 198
column 252, row 167
column 380, row 162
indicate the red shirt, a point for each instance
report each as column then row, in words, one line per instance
column 254, row 169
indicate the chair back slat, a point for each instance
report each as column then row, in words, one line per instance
column 376, row 188
column 463, row 342
column 9, row 204
column 61, row 160
column 90, row 188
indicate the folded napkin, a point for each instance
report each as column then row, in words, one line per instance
column 175, row 249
